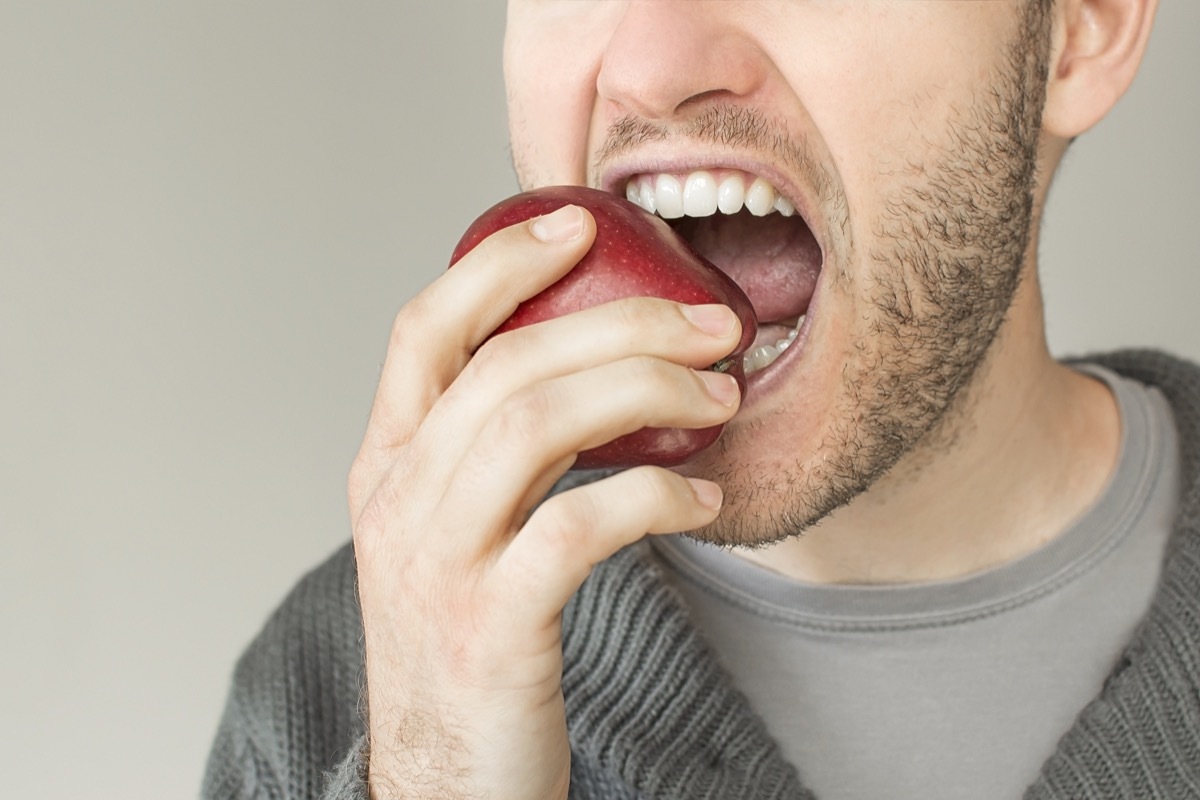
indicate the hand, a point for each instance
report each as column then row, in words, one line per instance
column 462, row 583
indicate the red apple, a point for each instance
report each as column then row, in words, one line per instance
column 635, row 254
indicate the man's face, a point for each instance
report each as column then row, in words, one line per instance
column 905, row 135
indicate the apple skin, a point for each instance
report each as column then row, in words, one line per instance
column 635, row 254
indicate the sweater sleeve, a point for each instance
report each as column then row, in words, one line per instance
column 292, row 727
column 238, row 769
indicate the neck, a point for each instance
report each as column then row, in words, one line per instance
column 1025, row 450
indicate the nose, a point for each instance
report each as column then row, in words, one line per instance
column 668, row 58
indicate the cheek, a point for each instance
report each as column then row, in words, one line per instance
column 883, row 91
column 550, row 66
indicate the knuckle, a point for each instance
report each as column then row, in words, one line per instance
column 487, row 248
column 638, row 315
column 654, row 486
column 384, row 503
column 502, row 245
column 523, row 415
column 564, row 524
column 410, row 320
column 491, row 359
column 650, row 371
column 369, row 531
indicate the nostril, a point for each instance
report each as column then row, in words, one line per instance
column 710, row 97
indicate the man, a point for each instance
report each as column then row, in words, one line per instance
column 953, row 567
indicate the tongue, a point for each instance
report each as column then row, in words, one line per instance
column 774, row 259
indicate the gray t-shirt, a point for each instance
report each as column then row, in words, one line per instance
column 951, row 689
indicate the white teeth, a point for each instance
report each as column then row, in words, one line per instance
column 760, row 198
column 646, row 194
column 731, row 194
column 700, row 195
column 764, row 355
column 759, row 357
column 668, row 197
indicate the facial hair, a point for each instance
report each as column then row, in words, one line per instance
column 945, row 265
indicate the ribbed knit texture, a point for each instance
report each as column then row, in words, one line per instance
column 1141, row 737
column 293, row 709
column 649, row 711
column 646, row 701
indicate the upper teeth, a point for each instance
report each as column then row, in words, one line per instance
column 701, row 194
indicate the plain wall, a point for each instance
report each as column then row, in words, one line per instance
column 209, row 214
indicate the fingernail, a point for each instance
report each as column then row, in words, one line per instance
column 562, row 225
column 708, row 494
column 723, row 388
column 715, row 320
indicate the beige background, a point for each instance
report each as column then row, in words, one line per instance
column 209, row 213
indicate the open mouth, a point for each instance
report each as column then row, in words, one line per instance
column 753, row 233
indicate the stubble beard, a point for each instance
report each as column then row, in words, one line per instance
column 944, row 268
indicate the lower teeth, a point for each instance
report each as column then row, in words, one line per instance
column 765, row 355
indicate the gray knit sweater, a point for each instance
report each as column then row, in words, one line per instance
column 649, row 711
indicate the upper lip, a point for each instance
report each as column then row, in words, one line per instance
column 620, row 170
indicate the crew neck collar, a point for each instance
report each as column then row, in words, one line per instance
column 1094, row 534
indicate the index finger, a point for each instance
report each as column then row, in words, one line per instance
column 436, row 332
